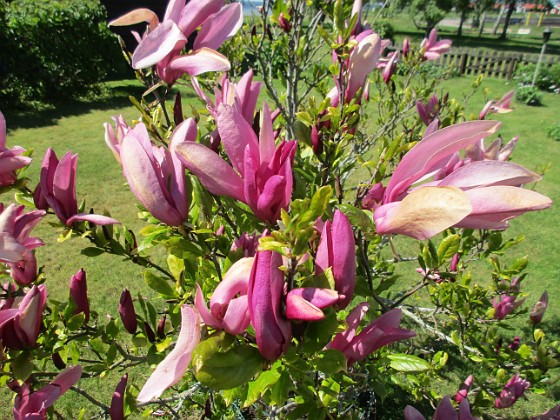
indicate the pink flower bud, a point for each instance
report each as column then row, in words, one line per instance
column 127, row 313
column 464, row 389
column 539, row 309
column 406, row 47
column 284, row 23
column 504, row 305
column 116, row 410
column 161, row 328
column 514, row 345
column 316, row 142
column 374, row 197
column 78, row 292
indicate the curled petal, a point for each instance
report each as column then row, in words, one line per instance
column 172, row 368
column 219, row 27
column 157, row 45
column 137, row 16
column 200, row 61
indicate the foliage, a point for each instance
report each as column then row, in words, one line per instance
column 529, row 95
column 548, row 78
column 53, row 50
column 294, row 243
column 428, row 13
column 554, row 132
column 384, row 29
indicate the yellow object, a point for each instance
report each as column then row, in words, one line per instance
column 528, row 19
column 540, row 19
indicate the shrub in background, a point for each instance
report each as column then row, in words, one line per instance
column 554, row 132
column 548, row 78
column 528, row 95
column 53, row 50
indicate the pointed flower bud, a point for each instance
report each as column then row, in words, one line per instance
column 539, row 309
column 284, row 23
column 116, row 411
column 464, row 389
column 127, row 313
column 78, row 292
column 337, row 250
column 406, row 47
column 505, row 305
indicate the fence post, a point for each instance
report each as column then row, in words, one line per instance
column 511, row 68
column 463, row 63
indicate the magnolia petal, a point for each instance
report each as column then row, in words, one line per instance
column 116, row 411
column 424, row 212
column 64, row 185
column 2, row 131
column 235, row 282
column 343, row 339
column 157, row 45
column 212, row 171
column 200, row 61
column 298, row 308
column 269, row 202
column 411, row 413
column 363, row 60
column 320, row 297
column 445, row 410
column 93, row 218
column 10, row 249
column 173, row 10
column 266, row 137
column 237, row 319
column 344, row 261
column 487, row 173
column 219, row 27
column 172, row 368
column 433, row 149
column 137, row 16
column 236, row 134
column 203, row 311
column 196, row 12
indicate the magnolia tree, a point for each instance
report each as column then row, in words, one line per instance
column 282, row 219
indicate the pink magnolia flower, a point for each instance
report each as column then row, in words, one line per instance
column 15, row 243
column 33, row 405
column 173, row 367
column 261, row 175
column 505, row 305
column 502, row 106
column 428, row 111
column 19, row 326
column 539, row 309
column 432, row 48
column 477, row 195
column 464, row 389
column 374, row 197
column 163, row 44
column 10, row 159
column 406, row 47
column 57, row 190
column 390, row 67
column 514, row 389
column 337, row 249
column 515, row 343
column 248, row 243
column 552, row 414
column 78, row 293
column 494, row 151
column 284, row 23
column 444, row 411
column 229, row 309
column 114, row 137
column 127, row 312
column 382, row 331
column 116, row 411
column 155, row 175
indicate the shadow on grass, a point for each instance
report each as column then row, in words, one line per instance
column 115, row 95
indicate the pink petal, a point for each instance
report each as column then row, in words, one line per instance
column 64, row 185
column 137, row 16
column 173, row 10
column 363, row 60
column 173, row 367
column 235, row 282
column 237, row 318
column 212, row 171
column 344, row 262
column 297, row 308
column 489, row 172
column 196, row 12
column 219, row 27
column 445, row 410
column 266, row 137
column 343, row 339
column 433, row 149
column 2, row 131
column 269, row 201
column 10, row 249
column 93, row 218
column 236, row 134
column 157, row 45
column 200, row 61
column 203, row 311
column 424, row 212
column 411, row 413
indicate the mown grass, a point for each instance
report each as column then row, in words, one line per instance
column 78, row 127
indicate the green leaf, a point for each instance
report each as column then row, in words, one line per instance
column 317, row 206
column 91, row 251
column 359, row 219
column 280, row 390
column 159, row 284
column 225, row 370
column 408, row 363
column 22, row 365
column 318, row 334
column 331, row 361
column 259, row 386
column 448, row 247
column 76, row 321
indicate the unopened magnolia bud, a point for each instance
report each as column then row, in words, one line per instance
column 161, row 328
column 127, row 313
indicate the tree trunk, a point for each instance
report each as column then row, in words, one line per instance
column 497, row 24
column 511, row 5
column 481, row 27
column 463, row 18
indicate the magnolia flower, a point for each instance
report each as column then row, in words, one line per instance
column 390, row 67
column 464, row 389
column 337, row 250
column 405, row 47
column 228, row 312
column 33, row 405
column 505, row 305
column 19, row 326
column 501, row 107
column 248, row 244
column 514, row 389
column 78, row 293
column 374, row 197
column 444, row 411
column 173, row 367
column 478, row 195
column 428, row 111
column 114, row 137
column 57, row 190
column 163, row 44
column 127, row 312
column 552, row 414
column 539, row 309
column 15, row 243
column 10, row 159
column 261, row 175
column 431, row 48
column 155, row 175
column 382, row 331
